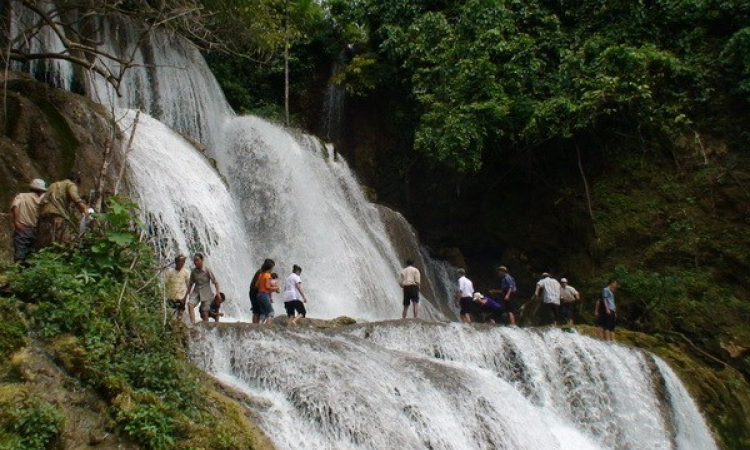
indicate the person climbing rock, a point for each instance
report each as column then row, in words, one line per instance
column 293, row 296
column 549, row 289
column 24, row 215
column 464, row 296
column 199, row 288
column 214, row 311
column 492, row 310
column 409, row 279
column 56, row 220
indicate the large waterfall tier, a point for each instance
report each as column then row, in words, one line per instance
column 288, row 197
column 185, row 205
column 302, row 205
column 448, row 386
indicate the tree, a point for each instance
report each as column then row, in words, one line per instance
column 233, row 26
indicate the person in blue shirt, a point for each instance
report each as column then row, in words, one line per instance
column 492, row 310
column 607, row 311
column 506, row 293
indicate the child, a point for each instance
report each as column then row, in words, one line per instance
column 213, row 310
column 274, row 284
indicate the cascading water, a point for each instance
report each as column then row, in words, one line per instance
column 299, row 204
column 185, row 204
column 405, row 385
column 449, row 386
column 303, row 206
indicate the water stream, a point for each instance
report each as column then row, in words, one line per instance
column 273, row 193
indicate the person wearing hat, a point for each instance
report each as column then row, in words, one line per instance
column 568, row 297
column 176, row 281
column 56, row 223
column 492, row 310
column 549, row 289
column 506, row 293
column 24, row 214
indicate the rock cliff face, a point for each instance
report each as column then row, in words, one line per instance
column 45, row 133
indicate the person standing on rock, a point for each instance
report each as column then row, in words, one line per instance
column 24, row 215
column 507, row 293
column 265, row 288
column 568, row 298
column 409, row 280
column 608, row 310
column 549, row 288
column 56, row 223
column 199, row 288
column 177, row 283
column 254, row 303
column 464, row 296
column 293, row 296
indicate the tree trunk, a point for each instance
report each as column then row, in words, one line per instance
column 286, row 62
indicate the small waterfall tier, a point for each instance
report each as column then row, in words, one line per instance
column 449, row 386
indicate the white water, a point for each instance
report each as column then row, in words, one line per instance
column 449, row 386
column 185, row 205
column 408, row 385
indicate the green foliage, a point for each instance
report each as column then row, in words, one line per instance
column 98, row 306
column 26, row 421
column 495, row 75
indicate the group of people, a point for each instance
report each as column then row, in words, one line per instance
column 190, row 289
column 43, row 216
column 558, row 297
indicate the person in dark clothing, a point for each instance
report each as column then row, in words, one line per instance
column 493, row 311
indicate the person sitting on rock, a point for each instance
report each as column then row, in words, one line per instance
column 24, row 214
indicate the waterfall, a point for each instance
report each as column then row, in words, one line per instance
column 287, row 196
column 302, row 205
column 186, row 206
column 450, row 386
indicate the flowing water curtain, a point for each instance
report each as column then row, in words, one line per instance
column 187, row 207
column 442, row 386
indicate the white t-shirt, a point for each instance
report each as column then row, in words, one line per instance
column 290, row 288
column 551, row 290
column 465, row 287
column 568, row 294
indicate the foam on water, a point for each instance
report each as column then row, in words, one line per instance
column 449, row 386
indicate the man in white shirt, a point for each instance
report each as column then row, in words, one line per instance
column 293, row 294
column 464, row 296
column 409, row 280
column 568, row 297
column 549, row 288
column 176, row 282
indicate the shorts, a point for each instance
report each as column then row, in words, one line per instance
column 23, row 243
column 213, row 310
column 467, row 305
column 511, row 307
column 254, row 304
column 205, row 305
column 411, row 294
column 295, row 305
column 266, row 308
column 607, row 321
column 496, row 316
column 566, row 311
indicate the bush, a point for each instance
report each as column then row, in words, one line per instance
column 27, row 422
